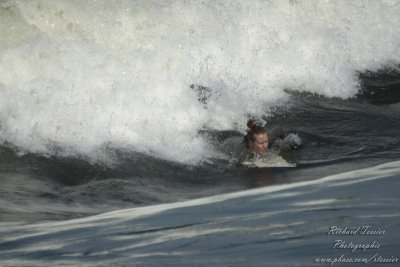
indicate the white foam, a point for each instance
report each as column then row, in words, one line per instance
column 76, row 76
column 315, row 202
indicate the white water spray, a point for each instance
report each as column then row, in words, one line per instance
column 76, row 76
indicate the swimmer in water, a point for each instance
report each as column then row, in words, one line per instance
column 257, row 141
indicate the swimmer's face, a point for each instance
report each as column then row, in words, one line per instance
column 260, row 144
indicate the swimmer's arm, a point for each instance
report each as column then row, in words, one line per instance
column 244, row 154
column 275, row 133
column 290, row 141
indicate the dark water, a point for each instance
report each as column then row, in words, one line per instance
column 283, row 225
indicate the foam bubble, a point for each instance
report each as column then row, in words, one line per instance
column 76, row 76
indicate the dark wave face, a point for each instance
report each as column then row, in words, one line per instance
column 380, row 88
column 338, row 135
column 340, row 130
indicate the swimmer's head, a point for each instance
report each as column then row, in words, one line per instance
column 256, row 138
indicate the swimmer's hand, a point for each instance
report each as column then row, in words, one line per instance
column 292, row 141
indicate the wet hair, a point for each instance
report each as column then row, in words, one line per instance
column 254, row 128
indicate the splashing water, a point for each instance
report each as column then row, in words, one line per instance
column 77, row 77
